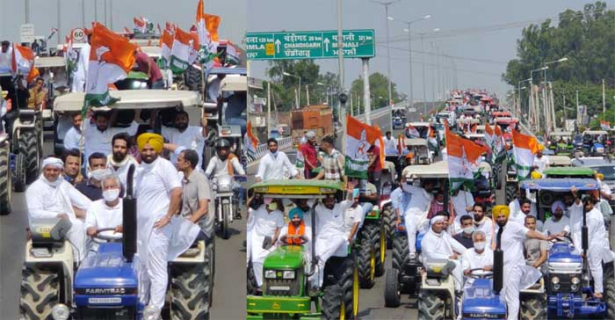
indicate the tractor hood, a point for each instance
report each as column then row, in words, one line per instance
column 106, row 272
column 480, row 303
column 285, row 257
column 564, row 253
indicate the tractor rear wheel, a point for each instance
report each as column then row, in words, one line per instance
column 366, row 259
column 251, row 280
column 401, row 254
column 28, row 146
column 191, row 290
column 332, row 301
column 431, row 306
column 392, row 295
column 388, row 219
column 193, row 79
column 609, row 289
column 40, row 292
column 5, row 180
column 350, row 288
column 533, row 308
column 381, row 251
column 20, row 173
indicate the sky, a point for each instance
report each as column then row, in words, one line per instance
column 44, row 15
column 482, row 34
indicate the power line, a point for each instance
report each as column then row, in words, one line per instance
column 450, row 56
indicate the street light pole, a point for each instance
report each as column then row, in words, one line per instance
column 423, row 62
column 83, row 13
column 59, row 21
column 284, row 73
column 387, row 18
column 27, row 10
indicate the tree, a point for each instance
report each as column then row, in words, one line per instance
column 378, row 88
column 285, row 87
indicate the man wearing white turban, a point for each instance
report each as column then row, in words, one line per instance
column 53, row 197
column 558, row 222
column 438, row 244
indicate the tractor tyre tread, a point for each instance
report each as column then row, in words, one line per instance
column 40, row 292
column 401, row 254
column 534, row 308
column 251, row 280
column 332, row 302
column 28, row 146
column 5, row 180
column 364, row 254
column 431, row 307
column 190, row 291
column 392, row 295
column 609, row 289
column 511, row 192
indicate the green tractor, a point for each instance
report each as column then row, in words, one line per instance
column 287, row 269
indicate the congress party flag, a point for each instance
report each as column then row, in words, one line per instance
column 524, row 148
column 250, row 141
column 207, row 30
column 605, row 125
column 185, row 45
column 359, row 138
column 462, row 157
column 166, row 43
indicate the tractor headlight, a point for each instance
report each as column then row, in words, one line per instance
column 151, row 313
column 555, row 283
column 60, row 312
column 289, row 274
column 575, row 284
column 555, row 280
column 269, row 274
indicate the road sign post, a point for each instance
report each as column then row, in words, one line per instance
column 27, row 32
column 309, row 44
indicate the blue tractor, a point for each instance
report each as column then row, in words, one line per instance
column 569, row 289
column 105, row 285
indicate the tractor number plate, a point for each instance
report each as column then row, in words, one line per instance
column 105, row 300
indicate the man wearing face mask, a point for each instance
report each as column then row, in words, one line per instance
column 184, row 135
column 557, row 223
column 416, row 211
column 480, row 256
column 264, row 221
column 162, row 235
column 97, row 169
column 438, row 244
column 226, row 163
column 106, row 212
column 98, row 132
column 273, row 163
column 465, row 236
column 519, row 276
column 53, row 197
column 331, row 235
column 120, row 160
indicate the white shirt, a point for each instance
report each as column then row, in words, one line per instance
column 474, row 260
column 45, row 201
column 512, row 243
column 515, row 208
column 191, row 138
column 266, row 223
column 71, row 139
column 154, row 183
column 440, row 246
column 122, row 171
column 352, row 216
column 551, row 226
column 487, row 227
column 101, row 216
column 541, row 163
column 5, row 61
column 272, row 168
column 330, row 221
column 461, row 201
column 96, row 141
column 519, row 217
column 595, row 228
column 217, row 166
column 420, row 200
column 390, row 146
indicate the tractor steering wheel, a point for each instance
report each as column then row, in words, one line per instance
column 479, row 273
column 107, row 235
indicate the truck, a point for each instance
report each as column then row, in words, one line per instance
column 317, row 118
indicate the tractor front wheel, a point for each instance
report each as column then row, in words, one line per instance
column 511, row 191
column 5, row 180
column 40, row 292
column 609, row 289
column 533, row 308
column 191, row 290
column 366, row 259
column 401, row 254
column 333, row 302
column 431, row 306
column 392, row 295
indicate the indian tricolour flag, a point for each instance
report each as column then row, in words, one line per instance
column 166, row 43
column 411, row 132
column 250, row 141
column 111, row 58
column 207, row 29
column 141, row 24
column 359, row 137
column 23, row 62
column 183, row 50
column 524, row 148
column 605, row 125
column 462, row 157
column 495, row 141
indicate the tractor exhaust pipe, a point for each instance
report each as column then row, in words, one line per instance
column 498, row 265
column 129, row 216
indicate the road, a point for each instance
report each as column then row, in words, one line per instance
column 230, row 283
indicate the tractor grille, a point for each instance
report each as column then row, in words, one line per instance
column 89, row 313
column 283, row 287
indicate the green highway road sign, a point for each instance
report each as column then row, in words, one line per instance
column 309, row 44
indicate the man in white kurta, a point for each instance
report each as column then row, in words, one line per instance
column 483, row 223
column 598, row 246
column 162, row 235
column 525, row 209
column 438, row 244
column 330, row 232
column 518, row 275
column 416, row 211
column 120, row 160
column 53, row 197
column 187, row 136
column 80, row 74
column 105, row 213
column 272, row 165
column 98, row 134
column 463, row 202
column 266, row 221
column 478, row 257
column 557, row 223
column 541, row 162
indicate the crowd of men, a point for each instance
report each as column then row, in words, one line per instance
column 174, row 194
